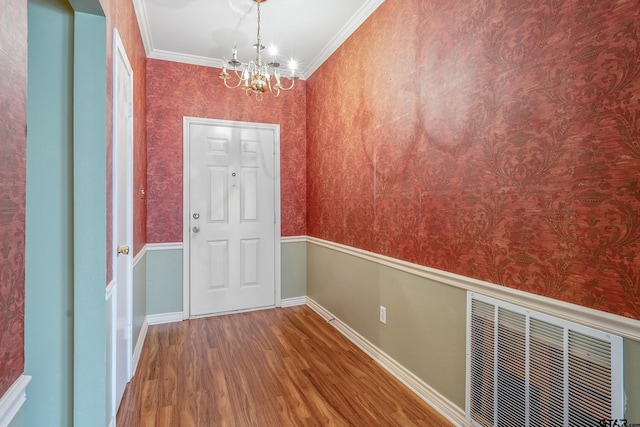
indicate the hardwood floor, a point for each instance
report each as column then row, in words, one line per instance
column 278, row 367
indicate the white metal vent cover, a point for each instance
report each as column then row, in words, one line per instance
column 526, row 368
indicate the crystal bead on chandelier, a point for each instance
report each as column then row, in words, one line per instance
column 257, row 76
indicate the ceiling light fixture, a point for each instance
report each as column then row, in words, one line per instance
column 257, row 76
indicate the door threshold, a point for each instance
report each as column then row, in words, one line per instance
column 224, row 313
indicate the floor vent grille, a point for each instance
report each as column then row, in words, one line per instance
column 526, row 368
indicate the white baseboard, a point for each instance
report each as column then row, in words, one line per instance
column 292, row 302
column 159, row 319
column 419, row 387
column 139, row 344
column 13, row 399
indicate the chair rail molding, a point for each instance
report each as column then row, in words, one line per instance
column 619, row 325
column 13, row 399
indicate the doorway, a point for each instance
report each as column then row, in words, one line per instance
column 231, row 217
column 122, row 216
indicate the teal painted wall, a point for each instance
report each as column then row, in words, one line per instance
column 89, row 218
column 49, row 224
column 65, row 319
column 164, row 281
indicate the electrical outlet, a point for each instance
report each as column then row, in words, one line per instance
column 383, row 314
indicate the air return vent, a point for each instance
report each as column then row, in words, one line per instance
column 526, row 368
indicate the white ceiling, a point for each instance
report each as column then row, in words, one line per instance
column 203, row 32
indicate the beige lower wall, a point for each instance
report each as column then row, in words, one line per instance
column 425, row 330
column 426, row 320
column 294, row 269
column 632, row 380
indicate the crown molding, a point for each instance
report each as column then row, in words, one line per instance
column 143, row 23
column 345, row 32
column 166, row 55
column 203, row 61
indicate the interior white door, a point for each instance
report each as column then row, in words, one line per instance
column 232, row 217
column 122, row 215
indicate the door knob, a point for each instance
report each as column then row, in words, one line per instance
column 124, row 250
column 196, row 215
column 196, row 229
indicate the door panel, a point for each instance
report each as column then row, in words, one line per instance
column 232, row 218
column 219, row 259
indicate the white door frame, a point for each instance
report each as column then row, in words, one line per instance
column 186, row 234
column 118, row 49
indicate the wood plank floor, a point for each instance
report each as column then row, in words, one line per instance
column 277, row 367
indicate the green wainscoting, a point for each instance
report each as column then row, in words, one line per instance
column 426, row 320
column 632, row 380
column 164, row 281
column 18, row 419
column 139, row 295
column 294, row 269
column 425, row 330
column 164, row 276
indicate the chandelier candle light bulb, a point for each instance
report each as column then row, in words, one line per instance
column 257, row 76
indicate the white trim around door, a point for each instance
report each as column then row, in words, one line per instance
column 187, row 121
column 122, row 194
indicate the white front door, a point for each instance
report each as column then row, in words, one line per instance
column 122, row 215
column 232, row 227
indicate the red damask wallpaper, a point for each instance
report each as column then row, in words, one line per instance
column 495, row 139
column 13, row 99
column 176, row 90
column 121, row 15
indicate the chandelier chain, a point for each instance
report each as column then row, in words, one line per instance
column 258, row 35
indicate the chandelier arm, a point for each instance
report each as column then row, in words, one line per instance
column 238, row 73
column 275, row 90
column 232, row 86
column 293, row 82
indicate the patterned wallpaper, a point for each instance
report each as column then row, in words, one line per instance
column 121, row 15
column 176, row 90
column 499, row 140
column 13, row 98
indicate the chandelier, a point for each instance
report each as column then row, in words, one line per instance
column 256, row 77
